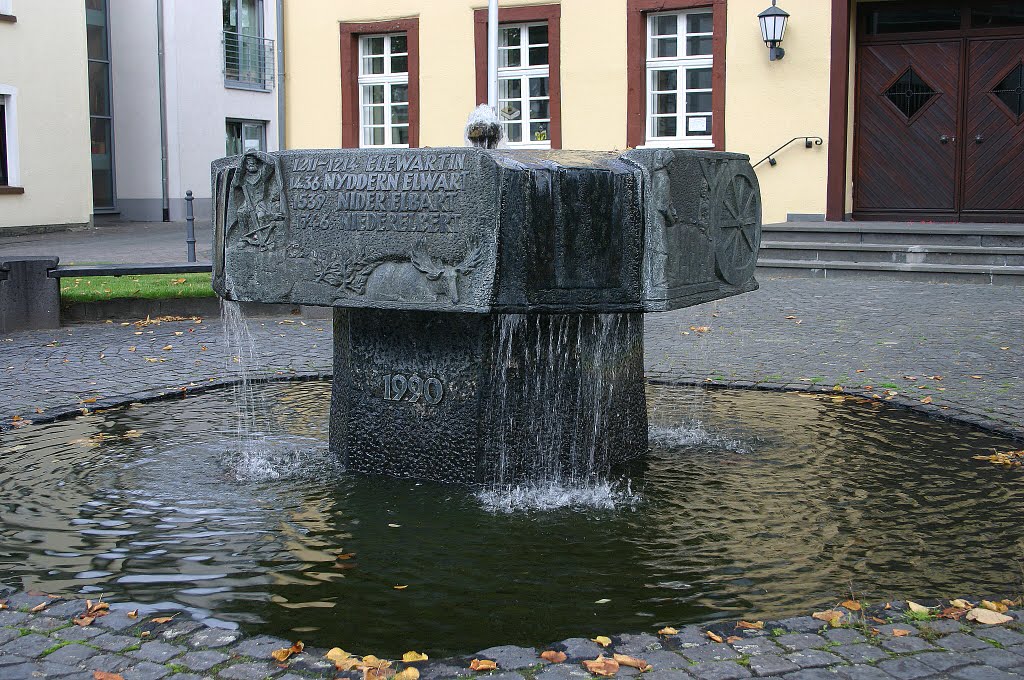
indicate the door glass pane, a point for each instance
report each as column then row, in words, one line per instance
column 998, row 15
column 538, row 35
column 248, row 18
column 699, row 23
column 665, row 25
column 538, row 87
column 698, row 45
column 901, row 20
column 1010, row 90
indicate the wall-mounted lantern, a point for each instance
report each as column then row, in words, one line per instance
column 773, row 27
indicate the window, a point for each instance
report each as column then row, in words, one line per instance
column 6, row 8
column 679, row 78
column 909, row 93
column 384, row 90
column 1010, row 91
column 248, row 56
column 524, row 102
column 4, row 181
column 245, row 135
column 9, row 177
column 101, row 119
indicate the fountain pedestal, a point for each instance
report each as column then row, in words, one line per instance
column 488, row 304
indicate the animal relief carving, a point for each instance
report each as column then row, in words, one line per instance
column 416, row 277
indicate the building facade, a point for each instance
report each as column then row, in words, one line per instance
column 190, row 82
column 44, row 115
column 897, row 93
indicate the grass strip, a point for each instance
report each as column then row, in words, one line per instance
column 145, row 286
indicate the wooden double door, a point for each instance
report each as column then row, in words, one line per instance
column 939, row 130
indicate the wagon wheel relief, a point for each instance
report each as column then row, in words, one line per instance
column 737, row 221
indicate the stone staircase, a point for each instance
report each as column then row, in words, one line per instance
column 940, row 253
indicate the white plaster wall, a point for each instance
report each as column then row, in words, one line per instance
column 43, row 56
column 198, row 103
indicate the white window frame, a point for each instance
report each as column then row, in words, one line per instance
column 681, row 64
column 523, row 73
column 243, row 122
column 7, row 7
column 9, row 98
column 387, row 79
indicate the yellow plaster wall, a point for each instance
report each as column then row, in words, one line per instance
column 766, row 103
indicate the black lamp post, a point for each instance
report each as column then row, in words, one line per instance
column 773, row 27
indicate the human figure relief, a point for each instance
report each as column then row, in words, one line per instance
column 258, row 211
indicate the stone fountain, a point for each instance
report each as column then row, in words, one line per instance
column 487, row 303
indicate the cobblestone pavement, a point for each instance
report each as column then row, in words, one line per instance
column 959, row 347
column 113, row 241
column 38, row 639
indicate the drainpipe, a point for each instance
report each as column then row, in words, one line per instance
column 280, row 76
column 492, row 54
column 162, row 87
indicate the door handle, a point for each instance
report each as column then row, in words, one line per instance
column 944, row 139
column 979, row 139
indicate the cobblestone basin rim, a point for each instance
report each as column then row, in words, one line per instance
column 38, row 639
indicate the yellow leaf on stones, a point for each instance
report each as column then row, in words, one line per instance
column 602, row 666
column 412, row 657
column 917, row 608
column 83, row 620
column 602, row 640
column 831, row 616
column 852, row 605
column 733, row 638
column 900, row 632
column 39, row 607
column 994, row 606
column 283, row 654
column 668, row 630
column 337, row 654
column 163, row 619
column 370, row 661
column 167, row 347
column 632, row 662
column 961, row 604
column 482, row 665
column 987, row 616
column 926, row 400
column 751, row 625
column 133, row 614
column 399, row 587
column 103, row 675
column 714, row 637
column 409, row 673
column 553, row 656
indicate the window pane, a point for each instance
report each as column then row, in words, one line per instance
column 665, row 81
column 512, row 88
column 698, row 102
column 538, row 87
column 373, row 94
column 400, row 135
column 514, row 132
column 400, row 114
column 399, row 93
column 699, row 45
column 902, row 20
column 373, row 45
column 698, row 79
column 3, row 144
column 252, row 137
column 665, row 127
column 373, row 115
column 538, row 35
column 665, row 47
column 665, row 103
column 509, row 58
column 97, row 41
column 373, row 65
column 1001, row 14
column 102, row 164
column 399, row 64
column 399, row 44
column 699, row 23
column 539, row 132
column 539, row 108
column 698, row 126
column 99, row 88
column 510, row 110
column 666, row 24
column 538, row 56
column 509, row 37
column 373, row 136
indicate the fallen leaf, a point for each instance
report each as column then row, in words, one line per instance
column 987, row 616
column 900, row 632
column 632, row 662
column 954, row 613
column 39, row 607
column 714, row 637
column 668, row 630
column 603, row 600
column 852, row 605
column 90, row 400
column 790, row 317
column 346, row 556
column 976, row 377
column 733, row 638
column 553, row 656
column 831, row 616
column 413, row 657
column 602, row 666
column 103, row 675
column 994, row 606
column 83, row 620
column 926, row 400
column 167, row 347
column 482, row 665
column 163, row 619
column 145, row 634
column 1004, row 348
column 876, row 619
column 751, row 625
column 3, row 605
column 399, row 587
column 917, row 608
column 409, row 673
column 961, row 604
column 341, row 658
column 602, row 640
column 283, row 654
column 394, row 526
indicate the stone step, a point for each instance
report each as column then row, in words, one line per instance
column 894, row 253
column 984, row 235
column 896, row 271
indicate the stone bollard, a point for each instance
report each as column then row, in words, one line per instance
column 29, row 298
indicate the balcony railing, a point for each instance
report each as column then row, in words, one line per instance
column 248, row 61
